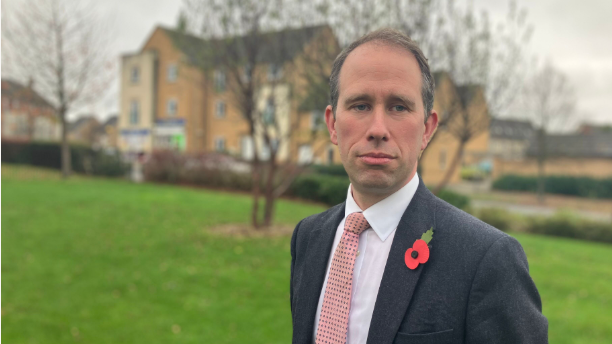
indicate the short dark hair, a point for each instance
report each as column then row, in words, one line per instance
column 393, row 38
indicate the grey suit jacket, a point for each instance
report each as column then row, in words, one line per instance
column 475, row 287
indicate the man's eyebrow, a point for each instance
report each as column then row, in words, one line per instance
column 356, row 98
column 409, row 103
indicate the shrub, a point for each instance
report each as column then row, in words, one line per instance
column 562, row 185
column 498, row 218
column 212, row 170
column 48, row 154
column 458, row 200
column 565, row 224
column 327, row 189
column 332, row 170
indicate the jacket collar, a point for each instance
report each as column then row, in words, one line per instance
column 399, row 282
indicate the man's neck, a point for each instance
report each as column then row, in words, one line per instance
column 367, row 199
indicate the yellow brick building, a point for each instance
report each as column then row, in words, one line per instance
column 463, row 101
column 167, row 101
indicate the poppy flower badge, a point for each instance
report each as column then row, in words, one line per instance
column 419, row 252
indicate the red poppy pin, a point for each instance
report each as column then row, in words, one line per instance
column 419, row 253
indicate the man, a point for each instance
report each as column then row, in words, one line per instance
column 363, row 271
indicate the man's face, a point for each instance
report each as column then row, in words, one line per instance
column 379, row 125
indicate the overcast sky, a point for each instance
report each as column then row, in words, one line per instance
column 573, row 35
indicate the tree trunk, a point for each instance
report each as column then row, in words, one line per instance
column 66, row 160
column 541, row 160
column 255, row 173
column 269, row 193
column 451, row 168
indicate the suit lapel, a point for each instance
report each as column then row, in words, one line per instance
column 398, row 282
column 317, row 256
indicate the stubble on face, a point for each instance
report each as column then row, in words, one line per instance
column 385, row 77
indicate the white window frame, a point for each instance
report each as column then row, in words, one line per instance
column 269, row 113
column 172, row 72
column 135, row 75
column 134, row 114
column 275, row 71
column 220, row 109
column 305, row 154
column 443, row 159
column 245, row 72
column 220, row 80
column 314, row 115
column 220, row 144
column 172, row 110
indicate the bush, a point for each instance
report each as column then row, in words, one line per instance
column 48, row 154
column 458, row 200
column 562, row 185
column 327, row 189
column 332, row 170
column 498, row 218
column 212, row 170
column 565, row 224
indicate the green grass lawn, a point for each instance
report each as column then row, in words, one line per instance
column 107, row 261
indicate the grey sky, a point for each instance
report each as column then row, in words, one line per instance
column 573, row 35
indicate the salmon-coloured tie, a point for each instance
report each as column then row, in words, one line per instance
column 333, row 321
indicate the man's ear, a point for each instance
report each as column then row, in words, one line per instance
column 330, row 121
column 430, row 127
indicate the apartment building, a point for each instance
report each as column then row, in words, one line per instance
column 169, row 102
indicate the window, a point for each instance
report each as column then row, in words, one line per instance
column 304, row 154
column 219, row 80
column 247, row 147
column 246, row 75
column 135, row 75
column 275, row 71
column 220, row 112
column 134, row 112
column 330, row 156
column 268, row 114
column 443, row 160
column 317, row 120
column 172, row 72
column 172, row 107
column 220, row 144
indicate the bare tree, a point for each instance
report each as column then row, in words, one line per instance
column 62, row 46
column 253, row 45
column 550, row 100
column 475, row 55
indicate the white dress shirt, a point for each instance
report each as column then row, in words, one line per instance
column 373, row 251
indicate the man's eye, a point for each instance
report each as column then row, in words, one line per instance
column 361, row 107
column 399, row 108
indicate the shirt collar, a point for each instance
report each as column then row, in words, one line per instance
column 385, row 215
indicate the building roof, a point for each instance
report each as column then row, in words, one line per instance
column 83, row 120
column 467, row 93
column 586, row 128
column 111, row 121
column 576, row 146
column 511, row 129
column 281, row 46
column 24, row 94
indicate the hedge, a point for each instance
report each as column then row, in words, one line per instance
column 562, row 185
column 332, row 170
column 332, row 190
column 48, row 154
column 562, row 224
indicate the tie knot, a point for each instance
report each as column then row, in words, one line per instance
column 356, row 223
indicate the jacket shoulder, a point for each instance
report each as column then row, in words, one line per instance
column 464, row 227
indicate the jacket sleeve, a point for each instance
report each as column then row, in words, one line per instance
column 293, row 250
column 504, row 305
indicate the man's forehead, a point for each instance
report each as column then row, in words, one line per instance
column 376, row 62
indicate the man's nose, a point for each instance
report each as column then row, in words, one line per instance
column 378, row 130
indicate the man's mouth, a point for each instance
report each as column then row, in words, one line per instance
column 376, row 158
